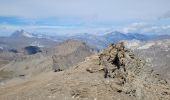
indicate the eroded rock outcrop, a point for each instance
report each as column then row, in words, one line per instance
column 129, row 75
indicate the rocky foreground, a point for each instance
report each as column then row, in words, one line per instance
column 114, row 74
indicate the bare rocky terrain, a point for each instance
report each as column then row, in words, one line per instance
column 64, row 55
column 21, row 44
column 155, row 52
column 69, row 53
column 114, row 74
column 43, row 69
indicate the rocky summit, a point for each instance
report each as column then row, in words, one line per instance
column 114, row 74
column 129, row 75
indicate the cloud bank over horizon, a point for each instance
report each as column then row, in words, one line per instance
column 68, row 16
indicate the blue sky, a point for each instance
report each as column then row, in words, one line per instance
column 92, row 16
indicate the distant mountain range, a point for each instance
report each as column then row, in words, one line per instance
column 21, row 39
column 102, row 41
column 80, row 73
column 24, row 34
column 24, row 38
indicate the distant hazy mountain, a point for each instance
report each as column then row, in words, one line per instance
column 21, row 34
column 93, row 40
column 22, row 43
column 160, row 37
column 102, row 41
column 118, row 36
column 21, row 39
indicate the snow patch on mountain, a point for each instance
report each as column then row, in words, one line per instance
column 146, row 46
column 27, row 35
column 37, row 44
column 22, row 33
column 1, row 48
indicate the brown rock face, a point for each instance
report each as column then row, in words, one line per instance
column 113, row 58
column 69, row 54
column 129, row 75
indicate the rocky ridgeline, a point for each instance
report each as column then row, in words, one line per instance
column 69, row 53
column 129, row 75
column 114, row 74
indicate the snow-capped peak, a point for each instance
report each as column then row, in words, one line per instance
column 21, row 33
column 27, row 35
column 1, row 48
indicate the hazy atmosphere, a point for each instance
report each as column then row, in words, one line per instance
column 91, row 16
column 84, row 49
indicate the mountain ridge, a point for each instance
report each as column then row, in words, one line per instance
column 115, row 73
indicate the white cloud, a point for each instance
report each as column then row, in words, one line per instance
column 166, row 15
column 141, row 27
column 95, row 10
column 134, row 27
column 146, row 28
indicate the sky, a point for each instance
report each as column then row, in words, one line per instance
column 91, row 16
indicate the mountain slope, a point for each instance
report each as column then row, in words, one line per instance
column 63, row 56
column 114, row 74
column 118, row 36
column 95, row 41
column 69, row 53
column 20, row 39
column 102, row 41
column 155, row 52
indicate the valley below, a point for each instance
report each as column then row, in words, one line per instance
column 119, row 68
